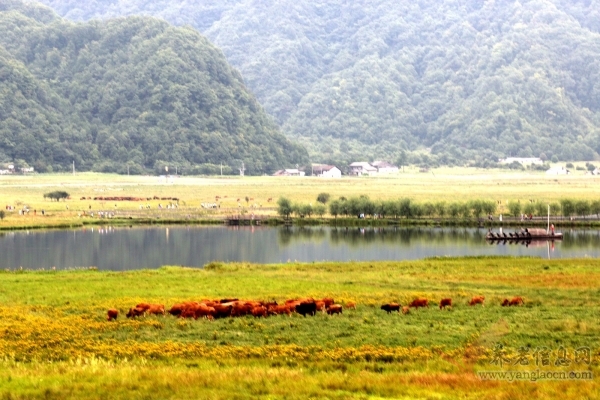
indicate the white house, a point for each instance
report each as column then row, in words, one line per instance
column 289, row 172
column 384, row 167
column 362, row 168
column 522, row 160
column 326, row 171
column 596, row 171
column 558, row 170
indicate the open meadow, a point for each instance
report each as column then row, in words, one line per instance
column 442, row 184
column 56, row 343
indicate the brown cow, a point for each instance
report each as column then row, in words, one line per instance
column 389, row 307
column 177, row 309
column 135, row 312
column 321, row 306
column 203, row 311
column 328, row 301
column 334, row 309
column 149, row 308
column 156, row 309
column 416, row 303
column 350, row 305
column 283, row 309
column 112, row 314
column 406, row 310
column 222, row 311
column 477, row 300
column 516, row 301
column 445, row 303
column 505, row 303
column 259, row 311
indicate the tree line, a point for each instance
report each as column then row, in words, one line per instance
column 364, row 207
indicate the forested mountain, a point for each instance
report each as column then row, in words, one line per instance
column 454, row 79
column 130, row 92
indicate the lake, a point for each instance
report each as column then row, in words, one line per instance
column 126, row 248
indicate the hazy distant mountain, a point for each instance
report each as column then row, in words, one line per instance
column 464, row 79
column 130, row 91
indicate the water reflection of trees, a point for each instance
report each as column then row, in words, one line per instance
column 580, row 238
column 354, row 236
column 289, row 234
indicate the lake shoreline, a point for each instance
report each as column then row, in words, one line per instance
column 558, row 222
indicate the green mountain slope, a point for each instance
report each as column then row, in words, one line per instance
column 131, row 91
column 459, row 79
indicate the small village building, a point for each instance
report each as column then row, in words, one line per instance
column 522, row 160
column 289, row 172
column 384, row 167
column 558, row 170
column 362, row 168
column 326, row 171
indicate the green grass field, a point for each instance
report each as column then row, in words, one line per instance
column 443, row 184
column 56, row 343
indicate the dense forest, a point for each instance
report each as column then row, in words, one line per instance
column 127, row 95
column 426, row 81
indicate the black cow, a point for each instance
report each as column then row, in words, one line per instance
column 391, row 307
column 306, row 307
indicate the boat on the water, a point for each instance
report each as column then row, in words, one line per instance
column 526, row 234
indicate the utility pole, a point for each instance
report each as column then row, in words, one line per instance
column 221, row 169
column 175, row 170
column 127, row 169
column 73, row 167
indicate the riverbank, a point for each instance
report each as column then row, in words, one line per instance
column 123, row 218
column 57, row 344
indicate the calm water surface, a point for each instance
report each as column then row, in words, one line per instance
column 141, row 247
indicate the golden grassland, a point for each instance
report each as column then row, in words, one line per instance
column 442, row 184
column 56, row 343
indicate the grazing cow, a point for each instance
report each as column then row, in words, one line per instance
column 279, row 309
column 516, row 301
column 259, row 311
column 135, row 312
column 350, row 305
column 240, row 309
column 416, row 303
column 306, row 307
column 505, row 303
column 406, row 310
column 222, row 311
column 177, row 309
column 200, row 311
column 143, row 306
column 270, row 199
column 477, row 300
column 389, row 307
column 321, row 306
column 112, row 314
column 334, row 309
column 328, row 301
column 445, row 303
column 156, row 309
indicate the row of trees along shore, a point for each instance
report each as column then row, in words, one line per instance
column 362, row 206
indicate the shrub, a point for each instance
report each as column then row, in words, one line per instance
column 323, row 198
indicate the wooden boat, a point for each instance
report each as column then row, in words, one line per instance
column 526, row 234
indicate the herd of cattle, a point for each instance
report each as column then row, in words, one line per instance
column 128, row 198
column 212, row 309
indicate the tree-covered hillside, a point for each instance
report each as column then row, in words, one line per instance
column 130, row 92
column 457, row 79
